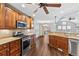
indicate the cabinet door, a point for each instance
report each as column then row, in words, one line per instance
column 62, row 44
column 29, row 22
column 16, row 16
column 19, row 17
column 52, row 40
column 4, row 50
column 15, row 48
column 10, row 19
column 23, row 18
column 2, row 16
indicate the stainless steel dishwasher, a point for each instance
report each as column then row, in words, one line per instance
column 74, row 47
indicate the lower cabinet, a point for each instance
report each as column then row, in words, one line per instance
column 52, row 41
column 60, row 43
column 15, row 48
column 11, row 49
column 4, row 50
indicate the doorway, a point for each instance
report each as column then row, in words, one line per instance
column 44, row 30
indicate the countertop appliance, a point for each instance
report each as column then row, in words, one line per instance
column 74, row 47
column 25, row 42
column 21, row 24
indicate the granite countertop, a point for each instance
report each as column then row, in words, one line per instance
column 8, row 39
column 70, row 36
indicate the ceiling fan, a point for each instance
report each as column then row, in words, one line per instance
column 45, row 5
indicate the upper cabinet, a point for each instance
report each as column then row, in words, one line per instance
column 16, row 15
column 23, row 18
column 9, row 18
column 29, row 22
column 2, row 15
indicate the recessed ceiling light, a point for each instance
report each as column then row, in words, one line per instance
column 33, row 15
column 23, row 5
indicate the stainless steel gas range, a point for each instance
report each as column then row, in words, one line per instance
column 25, row 42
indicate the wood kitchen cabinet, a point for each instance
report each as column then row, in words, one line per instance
column 23, row 18
column 19, row 17
column 29, row 22
column 4, row 50
column 52, row 41
column 2, row 16
column 16, row 16
column 11, row 49
column 60, row 43
column 10, row 20
column 15, row 48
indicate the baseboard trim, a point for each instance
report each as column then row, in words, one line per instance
column 70, row 55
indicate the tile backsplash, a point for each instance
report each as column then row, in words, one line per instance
column 6, row 33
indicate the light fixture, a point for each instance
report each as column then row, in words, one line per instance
column 23, row 5
column 28, row 30
column 33, row 15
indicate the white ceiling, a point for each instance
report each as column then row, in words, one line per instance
column 66, row 10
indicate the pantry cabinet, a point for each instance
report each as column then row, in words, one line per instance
column 11, row 49
column 2, row 16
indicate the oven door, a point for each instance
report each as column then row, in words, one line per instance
column 26, row 44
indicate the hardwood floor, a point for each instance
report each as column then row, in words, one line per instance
column 42, row 49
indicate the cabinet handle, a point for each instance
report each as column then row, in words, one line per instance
column 60, row 49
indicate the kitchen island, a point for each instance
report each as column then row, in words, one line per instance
column 60, row 41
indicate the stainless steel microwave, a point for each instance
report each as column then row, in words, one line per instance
column 21, row 24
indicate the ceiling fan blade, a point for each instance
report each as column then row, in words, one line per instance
column 53, row 5
column 45, row 9
column 35, row 10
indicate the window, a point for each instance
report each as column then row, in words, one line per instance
column 63, row 27
column 64, row 23
column 69, row 27
column 59, row 27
